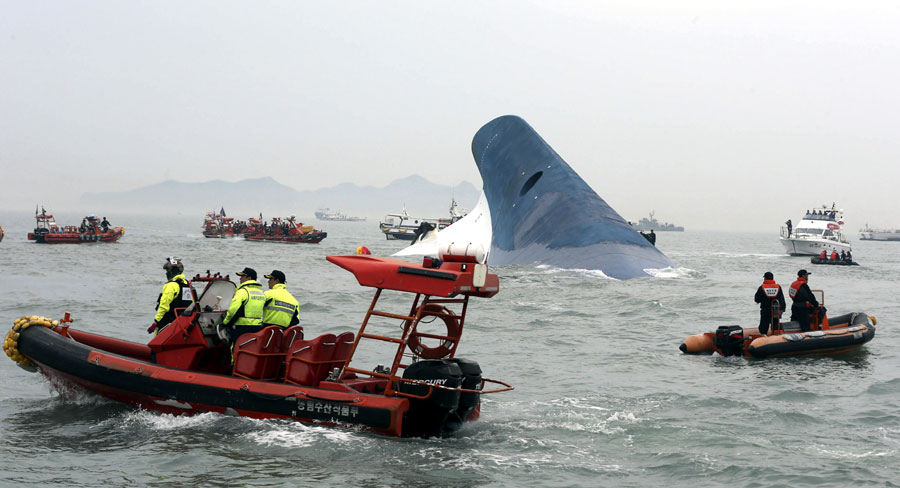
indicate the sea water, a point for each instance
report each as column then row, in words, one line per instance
column 603, row 395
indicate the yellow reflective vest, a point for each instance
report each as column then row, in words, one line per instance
column 281, row 307
column 175, row 294
column 247, row 305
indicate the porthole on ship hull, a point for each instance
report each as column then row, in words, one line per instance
column 530, row 183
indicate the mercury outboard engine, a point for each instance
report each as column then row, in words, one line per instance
column 468, row 402
column 428, row 417
column 730, row 340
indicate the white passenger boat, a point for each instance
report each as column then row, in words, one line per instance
column 869, row 234
column 819, row 230
column 402, row 226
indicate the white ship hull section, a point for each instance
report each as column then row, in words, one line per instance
column 812, row 247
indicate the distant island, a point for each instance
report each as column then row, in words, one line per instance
column 272, row 198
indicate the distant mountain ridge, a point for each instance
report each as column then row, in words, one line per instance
column 241, row 199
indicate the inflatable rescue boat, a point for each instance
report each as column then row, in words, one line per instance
column 286, row 230
column 425, row 390
column 826, row 337
column 833, row 262
column 47, row 232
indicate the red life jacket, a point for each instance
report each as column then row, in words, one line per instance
column 770, row 288
column 834, row 255
column 795, row 287
column 822, row 254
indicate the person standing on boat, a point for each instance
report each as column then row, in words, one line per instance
column 804, row 302
column 104, row 225
column 245, row 313
column 176, row 293
column 766, row 294
column 790, row 226
column 652, row 237
column 281, row 308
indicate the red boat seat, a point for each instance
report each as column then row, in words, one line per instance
column 307, row 361
column 291, row 335
column 258, row 355
column 343, row 345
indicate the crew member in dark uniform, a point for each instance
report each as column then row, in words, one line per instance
column 767, row 293
column 176, row 293
column 805, row 302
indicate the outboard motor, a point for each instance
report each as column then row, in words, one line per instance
column 427, row 417
column 730, row 340
column 468, row 402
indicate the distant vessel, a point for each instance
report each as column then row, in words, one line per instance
column 328, row 214
column 286, row 230
column 869, row 234
column 217, row 225
column 647, row 225
column 817, row 231
column 403, row 227
column 91, row 230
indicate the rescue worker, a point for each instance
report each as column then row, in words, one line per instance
column 246, row 310
column 822, row 254
column 281, row 308
column 104, row 225
column 843, row 255
column 767, row 293
column 176, row 293
column 804, row 302
column 834, row 255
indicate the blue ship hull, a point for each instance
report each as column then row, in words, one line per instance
column 543, row 212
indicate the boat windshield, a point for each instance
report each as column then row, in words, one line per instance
column 808, row 230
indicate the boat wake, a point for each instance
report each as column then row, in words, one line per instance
column 168, row 422
column 295, row 434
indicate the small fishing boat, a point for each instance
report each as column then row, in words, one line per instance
column 218, row 225
column 826, row 337
column 286, row 230
column 91, row 230
column 425, row 389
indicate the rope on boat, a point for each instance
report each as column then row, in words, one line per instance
column 11, row 344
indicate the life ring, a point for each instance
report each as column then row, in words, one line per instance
column 447, row 345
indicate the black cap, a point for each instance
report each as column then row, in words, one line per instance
column 278, row 275
column 768, row 276
column 249, row 272
column 802, row 272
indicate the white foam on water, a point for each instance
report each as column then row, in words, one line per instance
column 298, row 434
column 167, row 422
column 674, row 273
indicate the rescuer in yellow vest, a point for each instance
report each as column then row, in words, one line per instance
column 281, row 307
column 176, row 293
column 246, row 310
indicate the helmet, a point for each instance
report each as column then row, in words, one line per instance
column 173, row 267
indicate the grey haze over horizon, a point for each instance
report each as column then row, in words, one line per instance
column 732, row 116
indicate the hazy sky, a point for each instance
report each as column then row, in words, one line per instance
column 716, row 115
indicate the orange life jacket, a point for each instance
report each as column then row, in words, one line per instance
column 822, row 254
column 834, row 255
column 770, row 288
column 795, row 287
